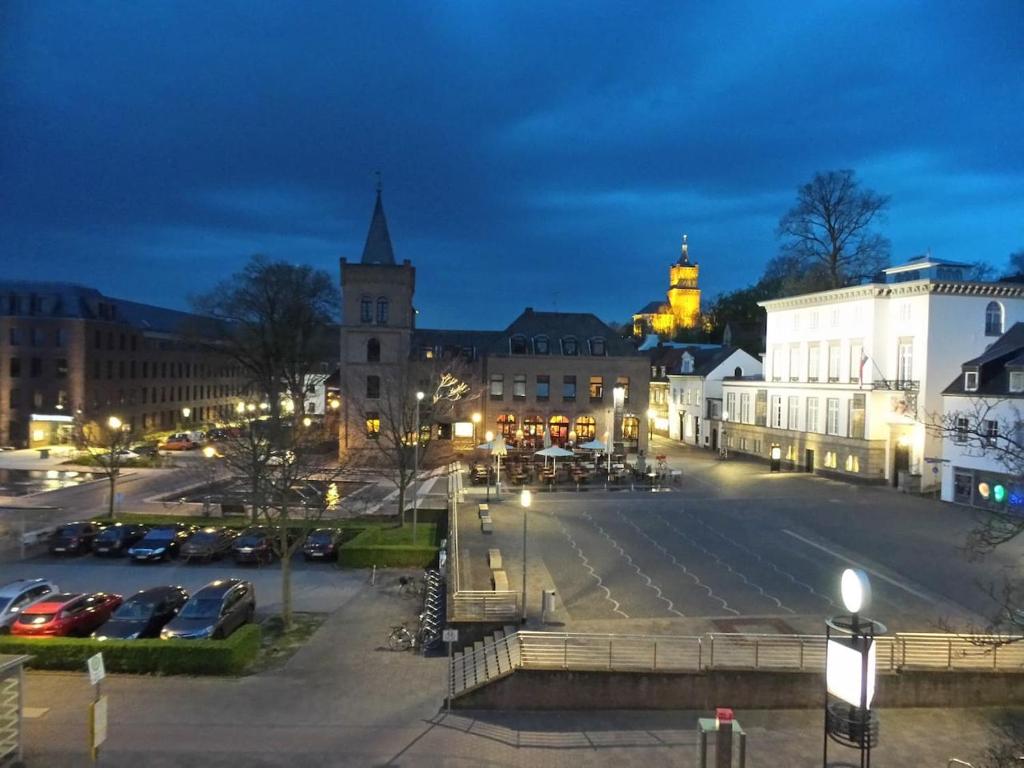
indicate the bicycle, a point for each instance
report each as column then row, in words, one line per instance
column 401, row 639
column 407, row 586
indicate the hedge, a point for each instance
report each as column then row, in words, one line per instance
column 384, row 555
column 166, row 657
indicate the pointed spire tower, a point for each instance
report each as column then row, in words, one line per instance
column 378, row 248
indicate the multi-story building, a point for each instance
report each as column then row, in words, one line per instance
column 853, row 376
column 70, row 354
column 695, row 405
column 681, row 309
column 553, row 371
column 983, row 428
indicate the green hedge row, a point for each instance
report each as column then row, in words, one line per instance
column 383, row 556
column 166, row 657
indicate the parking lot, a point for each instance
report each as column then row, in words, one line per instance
column 316, row 587
column 737, row 548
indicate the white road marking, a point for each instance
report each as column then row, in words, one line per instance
column 863, row 567
column 593, row 574
column 650, row 584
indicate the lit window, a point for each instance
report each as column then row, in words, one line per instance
column 372, row 425
column 596, row 387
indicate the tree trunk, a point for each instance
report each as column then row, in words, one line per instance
column 110, row 500
column 401, row 502
column 286, row 578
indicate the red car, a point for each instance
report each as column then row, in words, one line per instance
column 66, row 614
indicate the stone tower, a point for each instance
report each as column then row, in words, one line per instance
column 377, row 321
column 683, row 293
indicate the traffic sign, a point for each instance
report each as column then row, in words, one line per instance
column 450, row 635
column 96, row 669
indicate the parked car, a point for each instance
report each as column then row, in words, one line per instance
column 253, row 546
column 117, row 539
column 146, row 449
column 208, row 543
column 161, row 542
column 143, row 614
column 181, row 441
column 120, row 456
column 73, row 538
column 322, row 544
column 217, row 434
column 66, row 614
column 214, row 612
column 19, row 595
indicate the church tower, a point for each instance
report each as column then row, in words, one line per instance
column 377, row 321
column 683, row 293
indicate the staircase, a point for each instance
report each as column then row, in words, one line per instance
column 487, row 660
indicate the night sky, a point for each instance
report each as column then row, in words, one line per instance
column 542, row 154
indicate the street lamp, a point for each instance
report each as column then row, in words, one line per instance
column 307, row 421
column 724, row 447
column 650, row 423
column 776, row 458
column 618, row 401
column 117, row 429
column 240, row 408
column 489, row 438
column 416, row 468
column 525, row 499
column 476, row 423
column 114, row 423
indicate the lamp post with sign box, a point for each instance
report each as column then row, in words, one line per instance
column 850, row 666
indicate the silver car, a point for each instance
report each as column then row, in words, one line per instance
column 18, row 595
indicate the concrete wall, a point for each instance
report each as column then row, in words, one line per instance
column 536, row 689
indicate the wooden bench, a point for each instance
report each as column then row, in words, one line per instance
column 500, row 579
column 494, row 558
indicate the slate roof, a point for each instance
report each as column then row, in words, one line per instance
column 377, row 249
column 651, row 308
column 560, row 325
column 994, row 367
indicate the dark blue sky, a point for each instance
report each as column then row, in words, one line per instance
column 544, row 154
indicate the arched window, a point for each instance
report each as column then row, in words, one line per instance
column 586, row 429
column 373, row 351
column 540, row 345
column 507, row 426
column 559, row 430
column 994, row 319
column 366, row 310
column 372, row 387
column 630, row 428
column 597, row 346
column 737, row 372
column 569, row 346
column 382, row 311
column 533, row 432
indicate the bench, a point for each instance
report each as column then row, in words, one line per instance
column 486, row 525
column 494, row 558
column 500, row 579
column 484, row 511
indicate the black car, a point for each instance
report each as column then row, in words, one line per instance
column 118, row 538
column 73, row 538
column 322, row 544
column 208, row 543
column 143, row 614
column 161, row 542
column 214, row 612
column 255, row 545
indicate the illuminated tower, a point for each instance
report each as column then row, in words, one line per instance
column 683, row 293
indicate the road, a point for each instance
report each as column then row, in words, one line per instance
column 738, row 548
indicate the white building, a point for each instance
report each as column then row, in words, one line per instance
column 695, row 392
column 853, row 375
column 982, row 433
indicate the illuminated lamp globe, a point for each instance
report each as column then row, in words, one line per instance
column 855, row 589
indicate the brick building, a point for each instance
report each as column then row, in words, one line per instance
column 68, row 353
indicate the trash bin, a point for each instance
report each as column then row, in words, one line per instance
column 44, row 453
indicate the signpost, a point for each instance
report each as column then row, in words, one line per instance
column 98, row 708
column 450, row 636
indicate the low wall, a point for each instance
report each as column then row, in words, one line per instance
column 528, row 689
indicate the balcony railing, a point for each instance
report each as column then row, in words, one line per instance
column 896, row 385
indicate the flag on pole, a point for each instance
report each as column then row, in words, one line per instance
column 863, row 360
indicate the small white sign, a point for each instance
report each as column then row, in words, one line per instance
column 99, row 721
column 450, row 635
column 96, row 670
column 844, row 670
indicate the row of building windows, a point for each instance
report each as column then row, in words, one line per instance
column 366, row 310
column 560, row 429
column 785, row 413
column 35, row 367
column 542, row 387
column 163, row 370
column 36, row 337
column 823, row 362
column 567, row 345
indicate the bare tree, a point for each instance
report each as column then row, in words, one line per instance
column 390, row 421
column 106, row 444
column 831, row 229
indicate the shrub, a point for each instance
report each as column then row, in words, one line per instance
column 166, row 657
column 383, row 556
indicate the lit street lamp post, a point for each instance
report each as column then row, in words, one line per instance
column 489, row 438
column 113, row 458
column 476, row 425
column 416, row 469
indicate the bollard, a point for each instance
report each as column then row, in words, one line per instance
column 723, row 748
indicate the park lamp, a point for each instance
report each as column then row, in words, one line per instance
column 307, row 422
column 186, row 411
column 476, row 418
column 420, row 395
column 855, row 589
column 335, row 404
column 114, row 423
column 240, row 407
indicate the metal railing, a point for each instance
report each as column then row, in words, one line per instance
column 626, row 653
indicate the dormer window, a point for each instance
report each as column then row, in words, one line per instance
column 971, row 381
column 1017, row 381
column 686, row 364
column 541, row 345
column 597, row 346
column 569, row 346
column 518, row 345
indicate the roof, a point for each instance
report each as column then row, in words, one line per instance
column 435, row 337
column 651, row 308
column 705, row 358
column 560, row 325
column 993, row 366
column 377, row 249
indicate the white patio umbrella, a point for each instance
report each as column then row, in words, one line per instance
column 546, row 439
column 593, row 445
column 554, row 452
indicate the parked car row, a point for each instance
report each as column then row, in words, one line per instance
column 144, row 543
column 37, row 608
